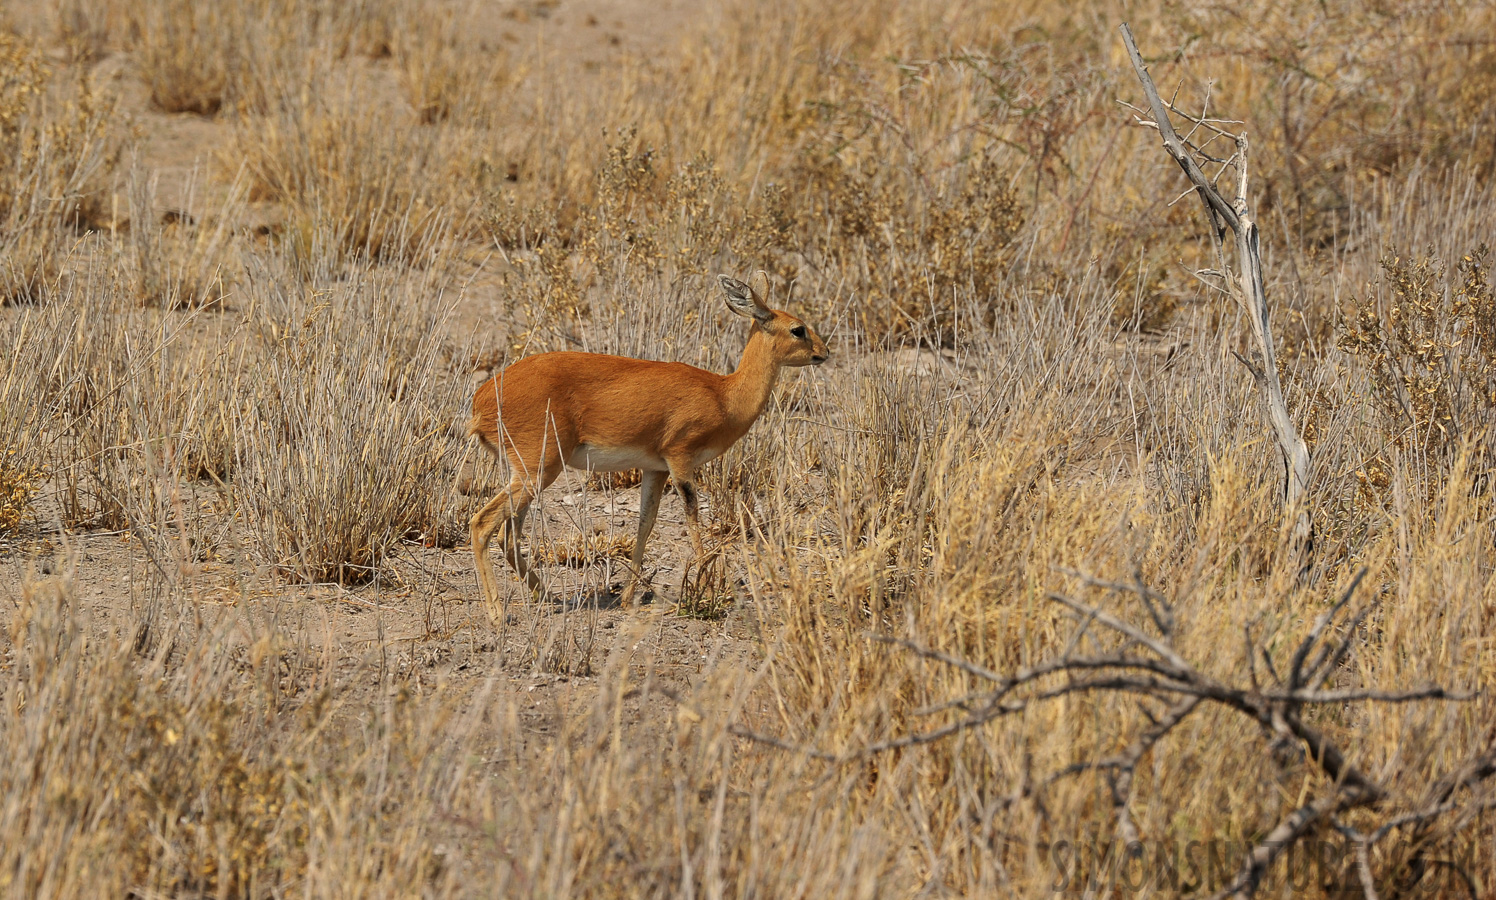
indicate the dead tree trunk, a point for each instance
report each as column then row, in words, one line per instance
column 1248, row 288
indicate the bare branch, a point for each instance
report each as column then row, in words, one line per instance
column 1250, row 654
column 1201, row 121
column 1431, row 692
column 1326, row 755
column 1180, row 196
column 1256, row 372
column 1272, row 846
column 1159, row 609
column 1112, row 622
column 1080, row 631
column 1296, row 667
column 1267, row 660
column 1412, row 818
column 1325, row 665
column 780, row 743
column 965, row 702
column 1157, row 605
column 1363, row 857
column 964, row 665
column 993, row 711
column 1128, row 762
column 1237, row 217
column 1175, row 147
column 1478, row 769
column 1151, row 668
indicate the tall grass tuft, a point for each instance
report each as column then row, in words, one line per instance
column 60, row 138
column 341, row 444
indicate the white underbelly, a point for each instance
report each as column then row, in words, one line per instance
column 615, row 459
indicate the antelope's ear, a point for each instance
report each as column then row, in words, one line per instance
column 760, row 284
column 742, row 300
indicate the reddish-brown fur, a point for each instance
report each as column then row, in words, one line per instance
column 589, row 410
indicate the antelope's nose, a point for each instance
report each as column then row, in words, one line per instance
column 819, row 358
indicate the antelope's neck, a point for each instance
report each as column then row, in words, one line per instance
column 751, row 386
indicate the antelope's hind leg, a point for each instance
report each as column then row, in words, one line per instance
column 505, row 514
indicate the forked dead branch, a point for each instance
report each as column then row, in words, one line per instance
column 1246, row 284
column 1136, row 659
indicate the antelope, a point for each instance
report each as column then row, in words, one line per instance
column 604, row 413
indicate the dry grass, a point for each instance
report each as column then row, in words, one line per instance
column 350, row 363
column 60, row 138
column 83, row 28
column 178, row 261
column 1030, row 395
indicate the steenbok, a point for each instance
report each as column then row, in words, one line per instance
column 612, row 414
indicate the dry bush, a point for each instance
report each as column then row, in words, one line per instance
column 136, row 419
column 60, row 137
column 29, row 345
column 443, row 78
column 206, row 792
column 920, row 168
column 364, row 27
column 83, row 28
column 16, row 487
column 1375, row 91
column 307, row 142
column 343, row 449
column 896, row 88
column 957, row 555
column 876, row 167
column 1433, row 362
column 189, row 54
column 379, row 192
column 204, row 58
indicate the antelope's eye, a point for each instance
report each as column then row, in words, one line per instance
column 798, row 331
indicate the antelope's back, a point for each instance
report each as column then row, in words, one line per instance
column 566, row 398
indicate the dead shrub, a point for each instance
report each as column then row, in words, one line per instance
column 189, row 54
column 30, row 345
column 441, row 76
column 207, row 794
column 139, row 422
column 83, row 27
column 375, row 192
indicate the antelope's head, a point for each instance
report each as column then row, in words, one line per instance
column 791, row 340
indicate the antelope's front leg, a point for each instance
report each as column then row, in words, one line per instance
column 650, row 485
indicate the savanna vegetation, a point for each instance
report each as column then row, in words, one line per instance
column 1004, row 600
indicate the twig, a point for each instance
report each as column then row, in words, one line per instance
column 1128, row 762
column 740, row 731
column 1112, row 622
column 1151, row 668
column 1162, row 615
column 1296, row 667
column 1363, row 857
